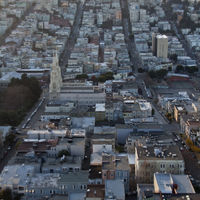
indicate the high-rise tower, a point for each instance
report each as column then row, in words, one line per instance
column 160, row 45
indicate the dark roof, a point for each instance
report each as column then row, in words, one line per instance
column 95, row 172
column 95, row 191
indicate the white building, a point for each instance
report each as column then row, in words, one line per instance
column 162, row 46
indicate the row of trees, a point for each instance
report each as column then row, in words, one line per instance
column 102, row 78
column 159, row 74
column 191, row 70
column 17, row 99
column 192, row 146
column 7, row 194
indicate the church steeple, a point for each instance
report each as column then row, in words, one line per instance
column 56, row 78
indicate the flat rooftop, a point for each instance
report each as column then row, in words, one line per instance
column 165, row 183
column 157, row 153
column 95, row 191
column 115, row 162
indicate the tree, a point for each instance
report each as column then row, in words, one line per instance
column 94, row 79
column 10, row 139
column 82, row 76
column 63, row 152
column 169, row 116
column 139, row 91
column 141, row 70
column 191, row 69
column 17, row 99
column 107, row 76
column 6, row 194
column 174, row 57
column 179, row 68
column 159, row 74
column 1, row 145
column 130, row 74
column 186, row 22
column 119, row 148
column 189, row 142
column 107, row 24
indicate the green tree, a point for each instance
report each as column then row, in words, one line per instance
column 186, row 21
column 159, row 74
column 82, row 76
column 152, row 112
column 191, row 69
column 169, row 117
column 1, row 145
column 17, row 99
column 10, row 138
column 139, row 91
column 179, row 68
column 107, row 76
column 6, row 194
column 63, row 152
column 174, row 57
column 94, row 79
column 120, row 148
column 141, row 70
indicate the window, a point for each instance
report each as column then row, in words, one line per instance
column 71, row 169
column 21, row 188
column 162, row 165
column 76, row 169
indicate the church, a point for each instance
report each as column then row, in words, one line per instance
column 81, row 93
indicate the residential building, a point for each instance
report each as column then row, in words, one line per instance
column 172, row 184
column 150, row 159
column 114, row 189
column 160, row 45
column 100, row 112
column 116, row 167
column 95, row 192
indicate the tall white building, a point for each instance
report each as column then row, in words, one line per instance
column 160, row 45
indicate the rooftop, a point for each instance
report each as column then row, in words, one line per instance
column 100, row 107
column 77, row 177
column 156, row 153
column 115, row 188
column 167, row 182
column 104, row 130
column 115, row 162
column 95, row 191
column 16, row 174
column 95, row 172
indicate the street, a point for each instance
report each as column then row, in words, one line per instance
column 64, row 57
column 129, row 38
